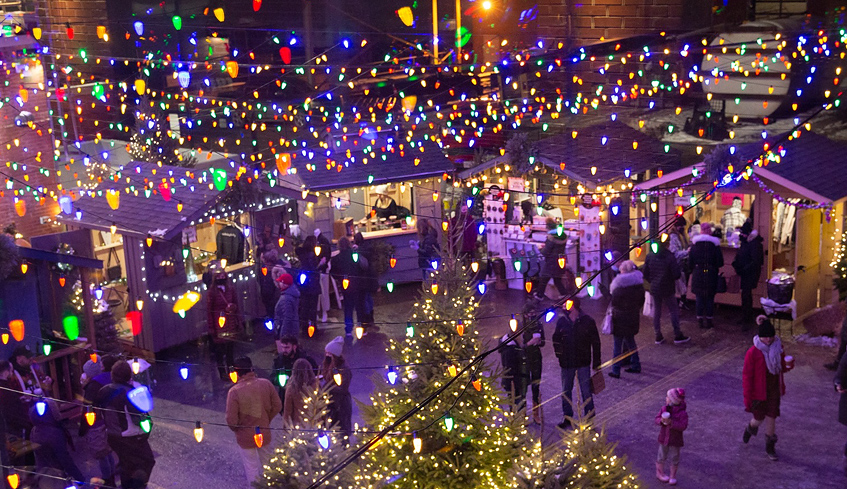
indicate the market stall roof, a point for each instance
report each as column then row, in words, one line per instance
column 148, row 213
column 611, row 148
column 589, row 150
column 427, row 160
column 812, row 166
column 811, row 161
column 34, row 254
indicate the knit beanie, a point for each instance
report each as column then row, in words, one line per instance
column 92, row 369
column 766, row 329
column 336, row 346
column 676, row 395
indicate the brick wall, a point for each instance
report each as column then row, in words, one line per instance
column 593, row 20
column 26, row 154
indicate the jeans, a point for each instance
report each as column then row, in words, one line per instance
column 747, row 304
column 673, row 308
column 706, row 305
column 625, row 344
column 353, row 301
column 253, row 459
column 583, row 375
column 135, row 459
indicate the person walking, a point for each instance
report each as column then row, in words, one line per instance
column 326, row 254
column 286, row 312
column 679, row 246
column 706, row 260
column 251, row 404
column 534, row 340
column 303, row 383
column 288, row 352
column 748, row 265
column 97, row 375
column 576, row 343
column 223, row 321
column 123, row 428
column 309, row 280
column 627, row 291
column 426, row 246
column 762, row 376
column 514, row 378
column 370, row 281
column 661, row 271
column 672, row 421
column 349, row 273
column 554, row 247
column 336, row 375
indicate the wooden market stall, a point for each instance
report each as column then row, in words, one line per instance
column 583, row 178
column 158, row 230
column 796, row 202
column 380, row 193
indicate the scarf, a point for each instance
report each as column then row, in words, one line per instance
column 772, row 353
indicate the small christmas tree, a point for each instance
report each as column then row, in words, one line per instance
column 152, row 140
column 839, row 267
column 590, row 461
column 307, row 451
column 464, row 438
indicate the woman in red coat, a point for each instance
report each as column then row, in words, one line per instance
column 764, row 365
column 223, row 321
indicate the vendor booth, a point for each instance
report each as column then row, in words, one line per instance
column 796, row 202
column 582, row 179
column 382, row 196
column 159, row 230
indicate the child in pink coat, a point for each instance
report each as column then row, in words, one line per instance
column 673, row 420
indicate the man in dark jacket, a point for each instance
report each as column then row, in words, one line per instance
column 748, row 265
column 706, row 260
column 577, row 346
column 661, row 270
column 349, row 274
column 514, row 379
column 123, row 429
column 553, row 248
column 288, row 352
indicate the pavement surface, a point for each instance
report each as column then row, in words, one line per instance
column 709, row 367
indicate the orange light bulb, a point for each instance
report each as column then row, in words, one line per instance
column 221, row 320
column 434, row 288
column 281, row 242
column 90, row 417
column 24, row 267
column 258, row 438
column 311, row 330
column 460, row 328
column 264, row 271
column 233, row 376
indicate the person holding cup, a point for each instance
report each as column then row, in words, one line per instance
column 672, row 421
column 763, row 383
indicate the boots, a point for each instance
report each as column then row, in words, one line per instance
column 770, row 447
column 709, row 324
column 750, row 431
column 660, row 472
column 702, row 323
column 537, row 415
column 672, row 475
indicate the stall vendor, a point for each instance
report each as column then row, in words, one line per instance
column 385, row 206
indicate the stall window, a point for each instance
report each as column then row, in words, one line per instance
column 375, row 207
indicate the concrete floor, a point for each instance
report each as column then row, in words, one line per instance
column 709, row 367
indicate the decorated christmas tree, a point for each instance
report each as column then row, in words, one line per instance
column 467, row 436
column 153, row 141
column 307, row 451
column 839, row 267
column 590, row 461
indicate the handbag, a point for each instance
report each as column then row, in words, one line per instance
column 598, row 382
column 721, row 286
column 113, row 272
column 607, row 321
column 647, row 310
column 681, row 287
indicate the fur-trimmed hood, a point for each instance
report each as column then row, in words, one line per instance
column 704, row 237
column 754, row 235
column 634, row 277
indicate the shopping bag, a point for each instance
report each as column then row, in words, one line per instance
column 607, row 321
column 648, row 305
column 681, row 287
column 598, row 383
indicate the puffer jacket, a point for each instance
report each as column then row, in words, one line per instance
column 286, row 312
column 553, row 248
column 627, row 291
column 706, row 260
column 661, row 271
column 671, row 434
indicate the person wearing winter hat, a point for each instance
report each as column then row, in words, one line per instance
column 287, row 310
column 337, row 375
column 672, row 421
column 706, row 260
column 748, row 265
column 763, row 383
